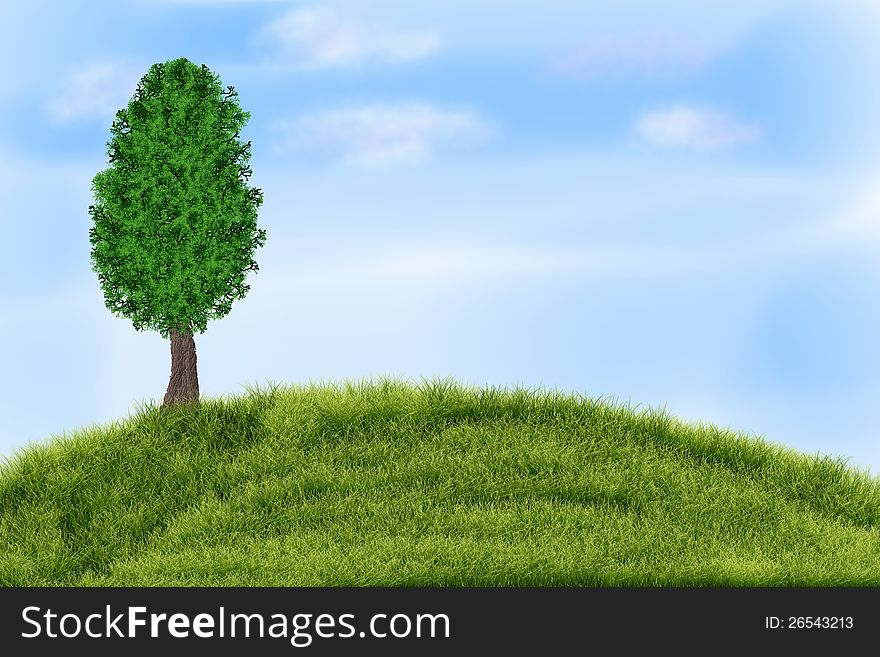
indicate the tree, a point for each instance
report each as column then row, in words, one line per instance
column 174, row 220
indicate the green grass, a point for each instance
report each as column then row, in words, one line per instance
column 395, row 484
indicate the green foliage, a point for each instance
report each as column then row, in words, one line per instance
column 175, row 223
column 392, row 484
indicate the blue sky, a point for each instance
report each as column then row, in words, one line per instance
column 673, row 206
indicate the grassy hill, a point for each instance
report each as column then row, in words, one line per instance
column 388, row 483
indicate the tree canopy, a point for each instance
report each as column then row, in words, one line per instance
column 174, row 220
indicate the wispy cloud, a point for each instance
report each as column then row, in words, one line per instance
column 688, row 127
column 632, row 56
column 858, row 220
column 383, row 134
column 321, row 38
column 96, row 91
column 448, row 264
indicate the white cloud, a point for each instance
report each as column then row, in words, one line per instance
column 382, row 134
column 218, row 2
column 694, row 128
column 94, row 92
column 635, row 55
column 321, row 38
column 868, row 9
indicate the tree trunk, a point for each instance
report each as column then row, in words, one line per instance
column 183, row 386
